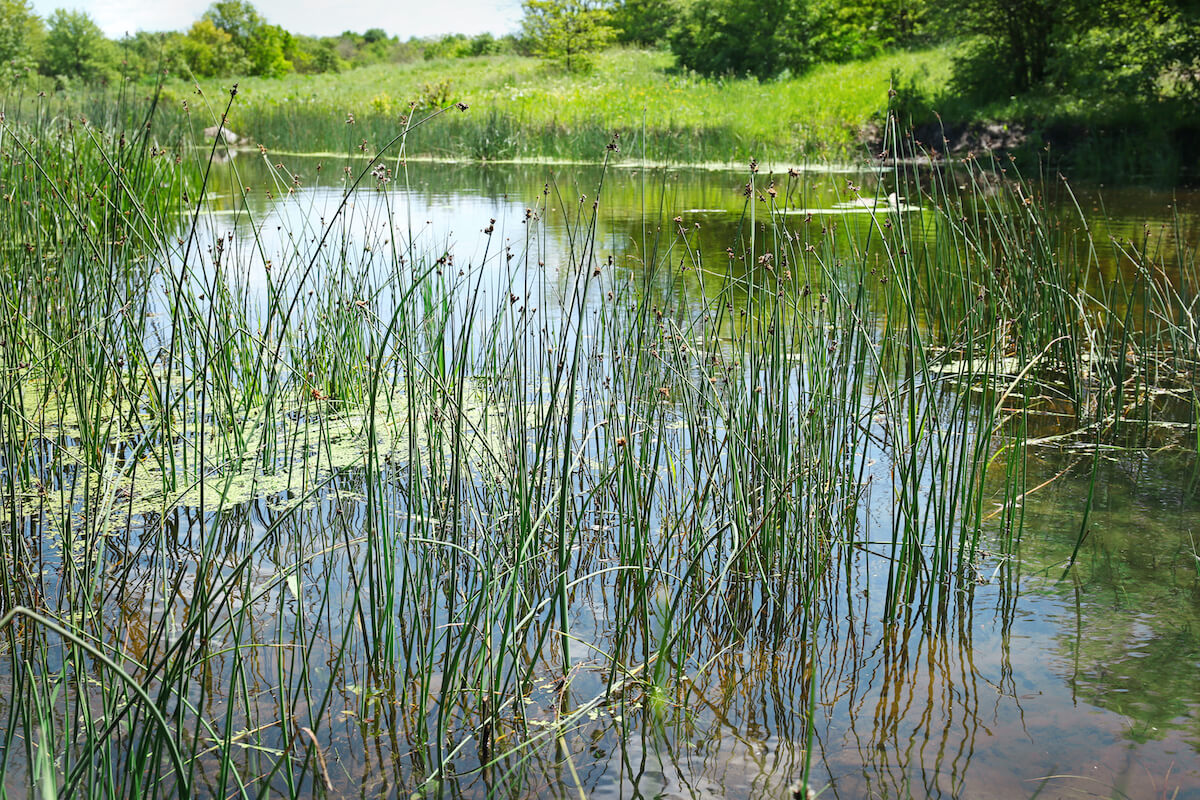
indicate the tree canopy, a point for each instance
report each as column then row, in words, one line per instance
column 738, row 37
column 1102, row 45
column 21, row 33
column 567, row 31
column 75, row 48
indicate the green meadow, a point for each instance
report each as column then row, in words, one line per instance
column 522, row 109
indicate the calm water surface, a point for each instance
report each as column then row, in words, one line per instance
column 1029, row 681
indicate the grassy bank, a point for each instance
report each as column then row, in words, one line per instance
column 521, row 108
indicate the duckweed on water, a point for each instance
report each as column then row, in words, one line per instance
column 316, row 443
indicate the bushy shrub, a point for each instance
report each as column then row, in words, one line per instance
column 1106, row 51
column 643, row 22
column 76, row 49
column 567, row 31
column 764, row 38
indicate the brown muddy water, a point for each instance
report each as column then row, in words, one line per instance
column 1053, row 666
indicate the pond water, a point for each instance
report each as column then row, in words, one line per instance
column 1058, row 667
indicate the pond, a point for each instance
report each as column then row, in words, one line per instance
column 546, row 480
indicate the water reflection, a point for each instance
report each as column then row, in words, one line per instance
column 1018, row 684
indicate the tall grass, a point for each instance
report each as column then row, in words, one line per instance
column 334, row 512
column 523, row 109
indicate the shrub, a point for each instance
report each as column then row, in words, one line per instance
column 743, row 38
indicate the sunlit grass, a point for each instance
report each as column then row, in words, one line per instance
column 523, row 108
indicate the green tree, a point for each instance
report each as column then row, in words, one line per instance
column 148, row 53
column 374, row 47
column 644, row 22
column 238, row 18
column 1151, row 51
column 1109, row 45
column 1021, row 36
column 844, row 30
column 209, row 50
column 268, row 51
column 452, row 45
column 567, row 31
column 314, row 55
column 743, row 37
column 483, row 45
column 21, row 35
column 76, row 48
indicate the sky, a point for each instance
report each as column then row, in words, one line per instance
column 403, row 18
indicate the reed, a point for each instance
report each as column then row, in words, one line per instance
column 330, row 510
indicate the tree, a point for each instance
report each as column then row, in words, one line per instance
column 150, row 53
column 1111, row 45
column 316, row 55
column 567, row 31
column 643, row 22
column 76, row 48
column 21, row 34
column 1021, row 36
column 451, row 45
column 268, row 50
column 210, row 50
column 238, row 18
column 743, row 37
column 845, row 30
column 483, row 45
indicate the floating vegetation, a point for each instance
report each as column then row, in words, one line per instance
column 330, row 504
column 287, row 461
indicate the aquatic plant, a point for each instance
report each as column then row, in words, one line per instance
column 333, row 509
